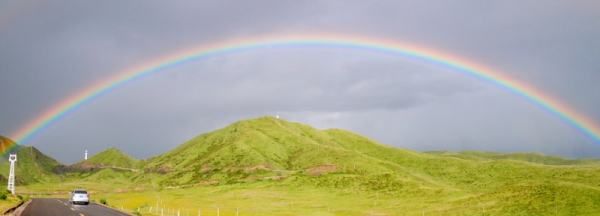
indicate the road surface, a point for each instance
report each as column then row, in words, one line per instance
column 51, row 206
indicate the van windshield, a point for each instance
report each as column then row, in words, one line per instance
column 80, row 192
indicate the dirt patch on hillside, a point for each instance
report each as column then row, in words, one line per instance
column 257, row 168
column 163, row 169
column 82, row 166
column 205, row 168
column 321, row 169
column 208, row 182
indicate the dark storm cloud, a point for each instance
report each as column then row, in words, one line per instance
column 49, row 51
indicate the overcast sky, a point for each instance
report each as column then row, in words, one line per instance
column 49, row 51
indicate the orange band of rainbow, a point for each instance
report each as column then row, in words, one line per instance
column 69, row 104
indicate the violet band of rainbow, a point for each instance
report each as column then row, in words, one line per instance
column 554, row 106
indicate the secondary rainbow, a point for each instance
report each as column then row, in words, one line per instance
column 75, row 101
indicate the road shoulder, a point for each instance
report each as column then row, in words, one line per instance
column 17, row 210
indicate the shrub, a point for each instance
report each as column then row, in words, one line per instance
column 2, row 196
column 103, row 201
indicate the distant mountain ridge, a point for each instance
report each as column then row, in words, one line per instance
column 525, row 157
column 32, row 166
column 109, row 158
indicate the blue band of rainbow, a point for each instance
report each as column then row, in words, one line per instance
column 75, row 101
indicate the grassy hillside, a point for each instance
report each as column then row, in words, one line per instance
column 32, row 166
column 270, row 150
column 261, row 149
column 526, row 157
column 109, row 158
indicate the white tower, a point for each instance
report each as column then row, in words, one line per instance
column 85, row 155
column 11, row 176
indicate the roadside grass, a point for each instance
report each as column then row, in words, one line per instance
column 285, row 198
column 261, row 198
column 347, row 194
column 268, row 199
column 8, row 203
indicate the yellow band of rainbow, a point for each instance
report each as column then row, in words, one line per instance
column 69, row 104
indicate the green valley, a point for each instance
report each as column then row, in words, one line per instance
column 269, row 166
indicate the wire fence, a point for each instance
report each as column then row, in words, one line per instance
column 209, row 211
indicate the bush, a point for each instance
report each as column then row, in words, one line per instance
column 2, row 196
column 103, row 201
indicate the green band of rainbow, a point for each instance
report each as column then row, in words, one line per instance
column 564, row 112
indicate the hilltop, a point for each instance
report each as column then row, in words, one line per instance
column 109, row 158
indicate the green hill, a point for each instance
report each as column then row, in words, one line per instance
column 109, row 158
column 264, row 148
column 273, row 150
column 32, row 166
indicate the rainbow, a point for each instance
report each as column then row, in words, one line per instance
column 75, row 101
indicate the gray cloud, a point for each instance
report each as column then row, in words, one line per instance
column 49, row 51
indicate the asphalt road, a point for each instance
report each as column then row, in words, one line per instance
column 52, row 207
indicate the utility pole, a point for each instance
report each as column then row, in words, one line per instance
column 11, row 176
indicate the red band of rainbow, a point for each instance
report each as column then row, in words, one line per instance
column 72, row 103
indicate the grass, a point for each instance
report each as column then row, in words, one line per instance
column 32, row 166
column 286, row 198
column 268, row 199
column 112, row 157
column 268, row 166
column 8, row 203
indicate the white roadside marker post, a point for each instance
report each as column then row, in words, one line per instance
column 11, row 176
